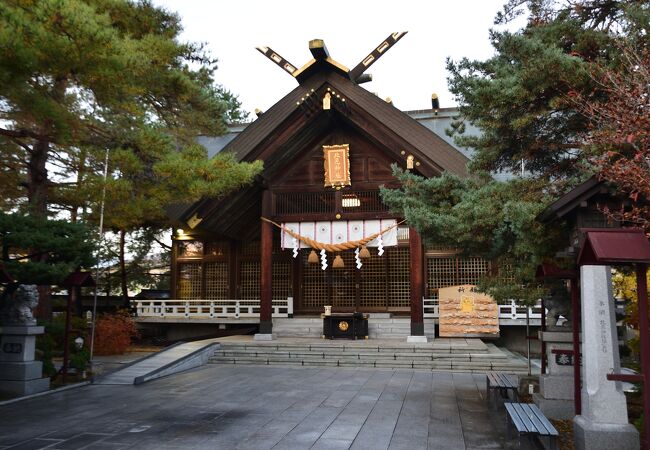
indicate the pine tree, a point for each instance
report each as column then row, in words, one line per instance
column 80, row 77
column 519, row 97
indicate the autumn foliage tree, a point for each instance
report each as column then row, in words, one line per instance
column 619, row 131
column 114, row 333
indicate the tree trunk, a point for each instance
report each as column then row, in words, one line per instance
column 123, row 280
column 37, row 182
column 37, row 193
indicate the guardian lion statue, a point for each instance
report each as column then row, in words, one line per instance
column 558, row 304
column 16, row 307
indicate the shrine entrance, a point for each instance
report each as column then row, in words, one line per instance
column 381, row 285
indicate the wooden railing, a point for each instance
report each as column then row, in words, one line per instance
column 509, row 311
column 218, row 309
column 210, row 309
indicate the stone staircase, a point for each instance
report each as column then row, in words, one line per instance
column 380, row 326
column 463, row 355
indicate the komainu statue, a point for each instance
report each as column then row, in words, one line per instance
column 17, row 304
column 558, row 303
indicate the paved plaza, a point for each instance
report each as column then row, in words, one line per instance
column 263, row 407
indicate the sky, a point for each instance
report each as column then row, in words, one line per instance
column 408, row 73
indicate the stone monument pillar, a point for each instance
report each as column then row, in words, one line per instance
column 20, row 374
column 555, row 397
column 603, row 423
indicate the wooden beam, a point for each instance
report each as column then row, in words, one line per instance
column 277, row 59
column 318, row 49
column 376, row 54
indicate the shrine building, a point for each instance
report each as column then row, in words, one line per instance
column 298, row 238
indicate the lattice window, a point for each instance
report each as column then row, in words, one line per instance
column 470, row 270
column 451, row 271
column 373, row 283
column 188, row 249
column 249, row 276
column 343, row 281
column 304, row 202
column 362, row 201
column 189, row 281
column 250, row 249
column 282, row 279
column 399, row 277
column 217, row 281
column 314, row 284
column 441, row 272
column 220, row 248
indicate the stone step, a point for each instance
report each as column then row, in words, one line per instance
column 412, row 356
column 334, row 347
column 479, row 366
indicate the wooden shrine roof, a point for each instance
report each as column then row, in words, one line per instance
column 572, row 200
column 279, row 135
column 614, row 246
column 429, row 148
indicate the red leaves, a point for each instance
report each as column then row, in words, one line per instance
column 113, row 333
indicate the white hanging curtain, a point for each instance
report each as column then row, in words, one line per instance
column 337, row 232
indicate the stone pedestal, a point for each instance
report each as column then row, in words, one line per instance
column 416, row 339
column 603, row 423
column 20, row 374
column 264, row 337
column 555, row 397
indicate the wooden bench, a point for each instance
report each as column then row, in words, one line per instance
column 530, row 422
column 500, row 382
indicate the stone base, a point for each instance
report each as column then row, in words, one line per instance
column 18, row 371
column 556, row 387
column 264, row 337
column 589, row 435
column 555, row 408
column 24, row 387
column 417, row 339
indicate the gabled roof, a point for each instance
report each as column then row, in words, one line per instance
column 614, row 246
column 572, row 200
column 299, row 120
column 429, row 148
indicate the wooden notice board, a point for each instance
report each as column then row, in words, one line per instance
column 467, row 313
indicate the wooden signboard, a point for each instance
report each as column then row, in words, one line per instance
column 337, row 165
column 466, row 313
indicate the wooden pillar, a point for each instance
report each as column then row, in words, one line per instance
column 173, row 288
column 417, row 283
column 73, row 292
column 266, row 254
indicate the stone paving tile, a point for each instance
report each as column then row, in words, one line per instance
column 79, row 441
column 331, row 444
column 34, row 444
column 258, row 407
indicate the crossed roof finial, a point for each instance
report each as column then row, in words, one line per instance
column 319, row 52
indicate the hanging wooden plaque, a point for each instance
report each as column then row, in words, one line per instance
column 337, row 165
